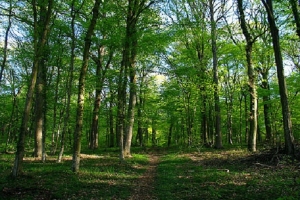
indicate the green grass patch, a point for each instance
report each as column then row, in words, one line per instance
column 231, row 174
column 101, row 177
column 180, row 174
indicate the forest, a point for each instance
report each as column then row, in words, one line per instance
column 134, row 83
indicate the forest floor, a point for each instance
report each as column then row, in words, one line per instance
column 159, row 173
column 144, row 185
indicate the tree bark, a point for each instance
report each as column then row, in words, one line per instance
column 5, row 49
column 266, row 99
column 251, row 79
column 81, row 88
column 141, row 106
column 170, row 134
column 296, row 15
column 130, row 52
column 111, row 121
column 39, row 45
column 218, row 133
column 40, row 108
column 286, row 115
column 100, row 77
column 135, row 8
column 68, row 84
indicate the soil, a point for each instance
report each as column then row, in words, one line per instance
column 144, row 186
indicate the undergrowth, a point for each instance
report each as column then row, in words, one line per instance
column 180, row 174
column 227, row 174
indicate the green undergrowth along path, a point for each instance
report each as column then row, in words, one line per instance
column 226, row 175
column 177, row 174
column 100, row 177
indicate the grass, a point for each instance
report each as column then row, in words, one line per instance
column 100, row 177
column 209, row 174
column 226, row 174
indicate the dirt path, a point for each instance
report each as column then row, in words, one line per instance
column 145, row 184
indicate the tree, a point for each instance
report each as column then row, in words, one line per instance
column 100, row 76
column 41, row 32
column 69, row 81
column 5, row 49
column 128, row 68
column 81, row 87
column 213, row 21
column 286, row 115
column 296, row 15
column 251, row 78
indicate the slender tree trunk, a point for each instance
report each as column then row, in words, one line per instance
column 253, row 101
column 296, row 15
column 229, row 119
column 100, row 77
column 251, row 80
column 55, row 126
column 189, row 120
column 5, row 49
column 13, row 115
column 153, row 138
column 69, row 84
column 286, row 115
column 246, row 117
column 204, row 123
column 140, row 119
column 266, row 103
column 93, row 143
column 39, row 46
column 239, row 138
column 111, row 122
column 218, row 133
column 81, row 88
column 122, row 83
column 170, row 135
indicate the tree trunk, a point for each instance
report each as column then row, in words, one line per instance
column 5, row 49
column 266, row 99
column 153, row 138
column 130, row 52
column 204, row 121
column 100, row 77
column 218, row 133
column 39, row 45
column 111, row 122
column 69, row 84
column 296, row 15
column 140, row 120
column 81, row 87
column 286, row 115
column 135, row 8
column 251, row 80
column 170, row 134
column 239, row 137
column 229, row 103
column 40, row 109
column 13, row 116
column 122, row 83
column 121, row 105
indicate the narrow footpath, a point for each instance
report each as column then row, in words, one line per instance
column 144, row 186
